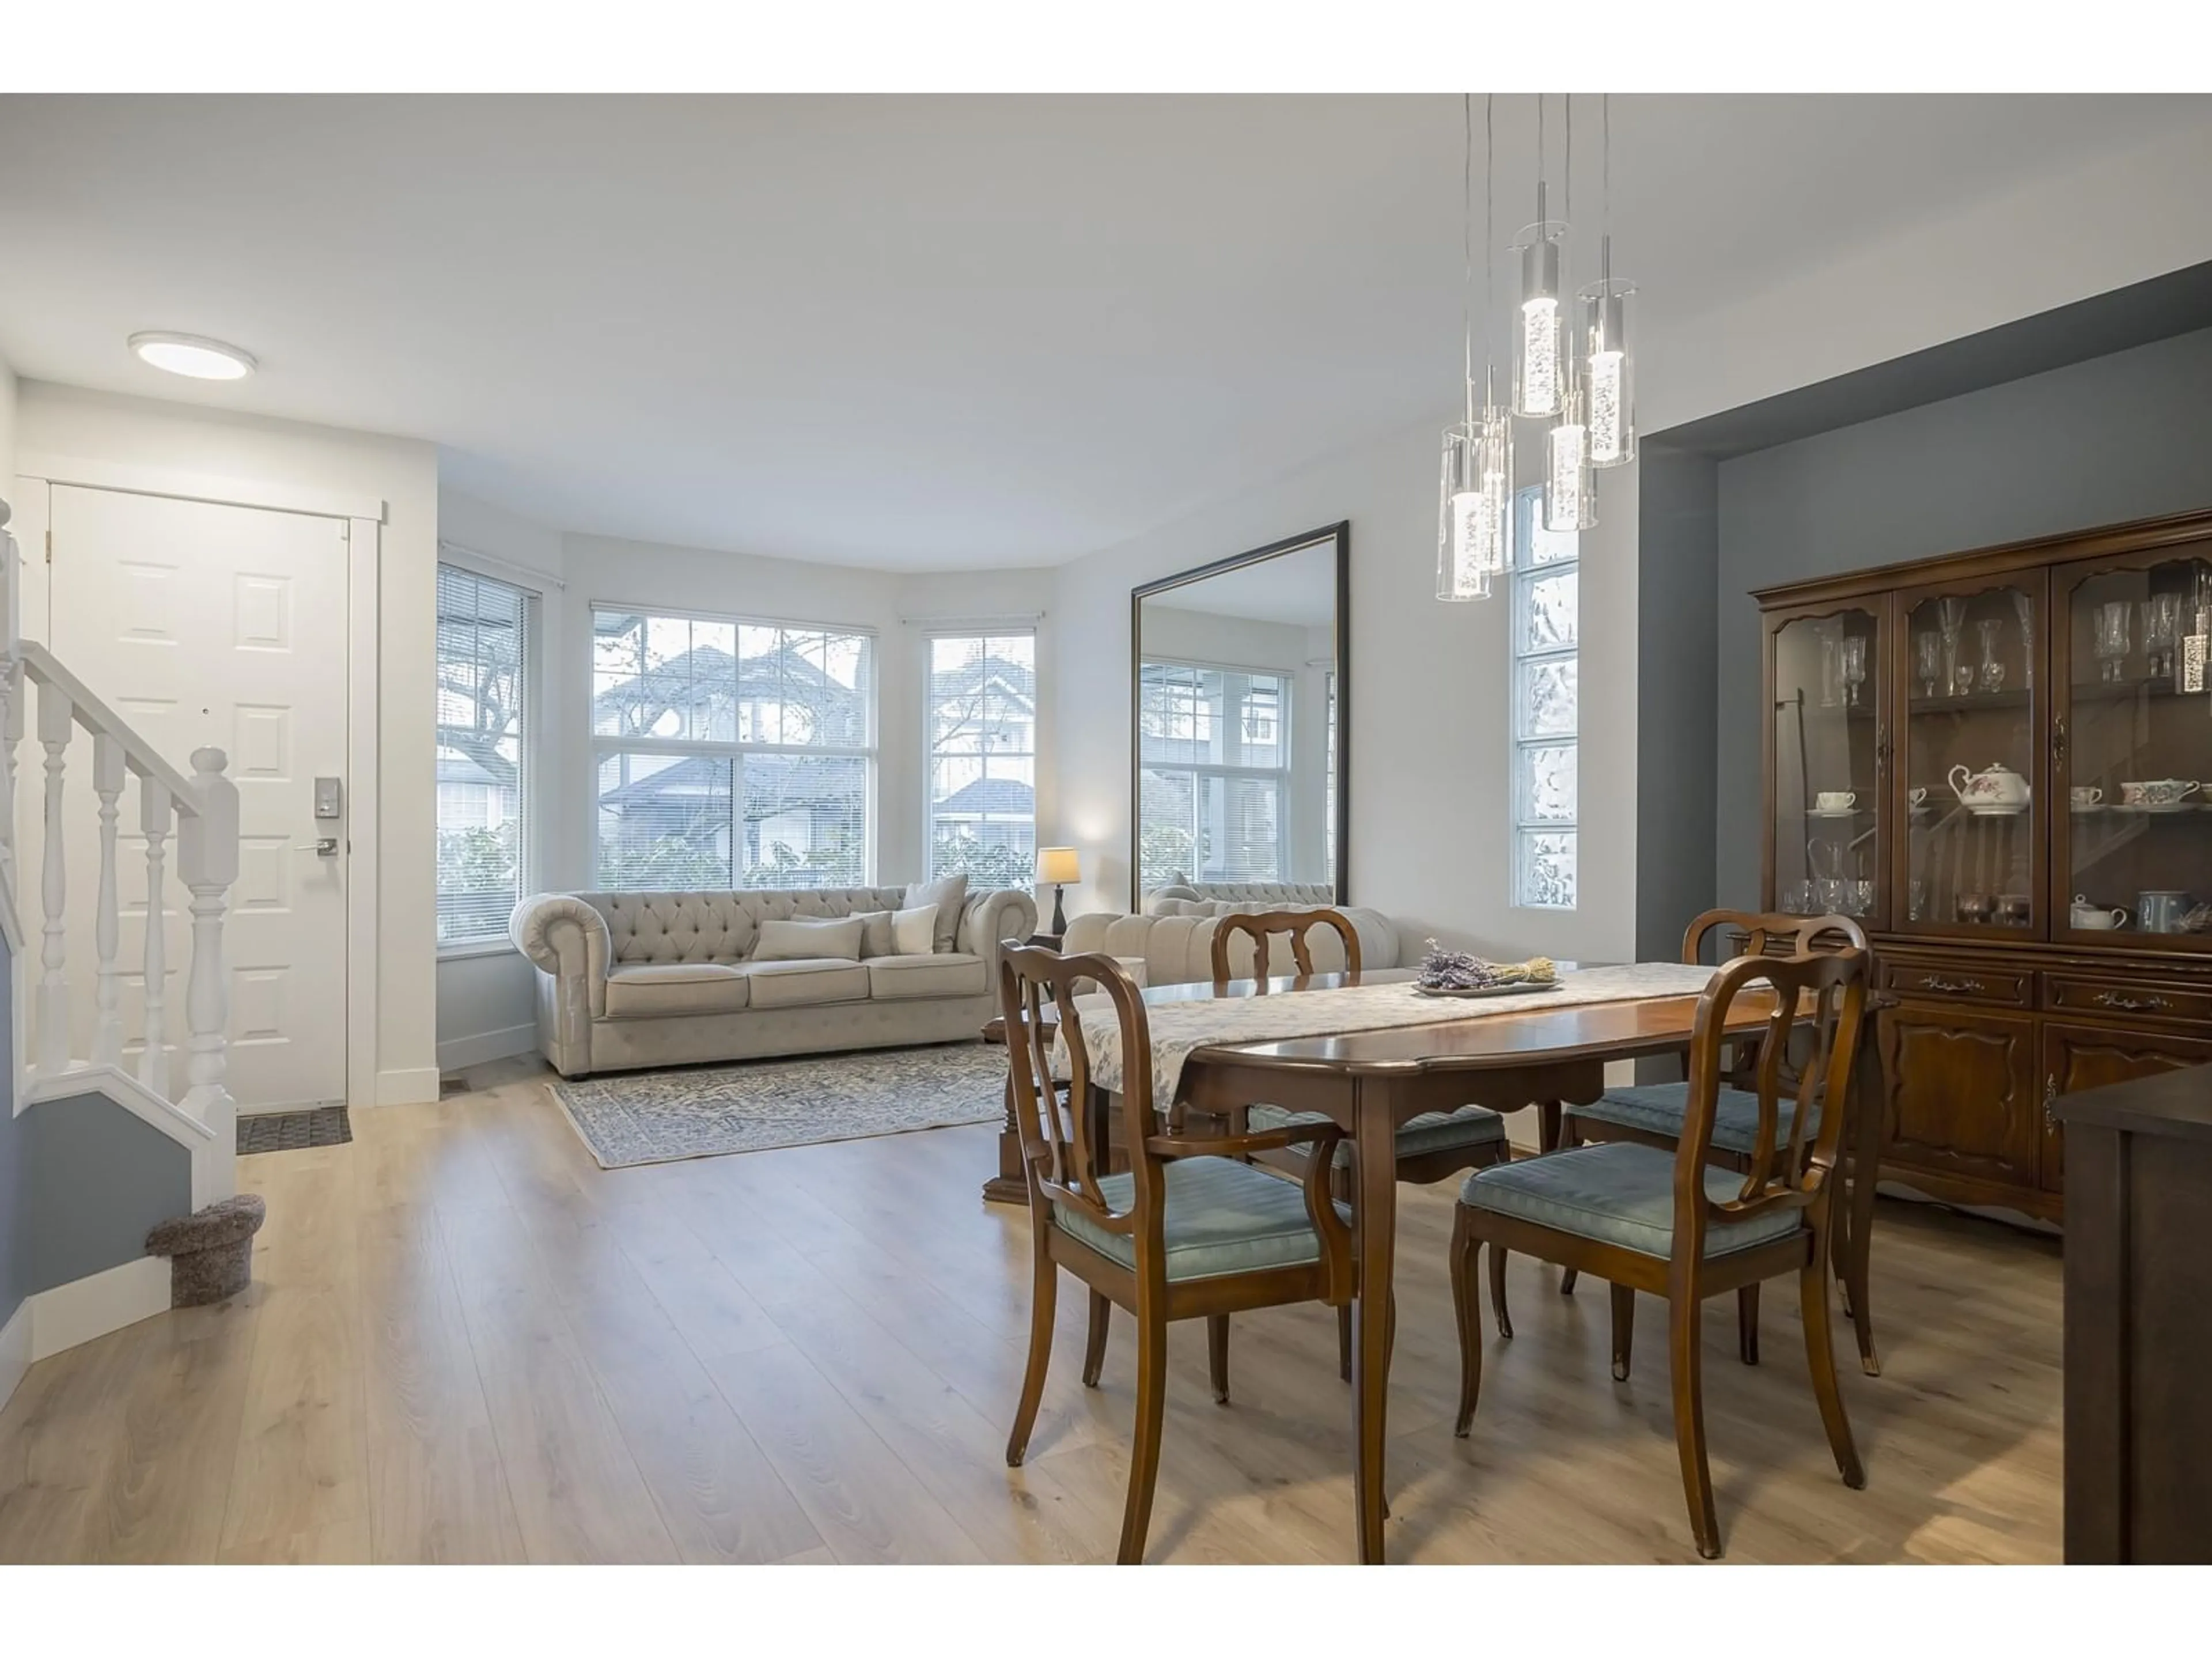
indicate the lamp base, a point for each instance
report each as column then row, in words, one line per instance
column 1059, row 916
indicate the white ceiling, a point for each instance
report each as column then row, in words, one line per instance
column 917, row 333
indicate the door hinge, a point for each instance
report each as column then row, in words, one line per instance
column 49, row 547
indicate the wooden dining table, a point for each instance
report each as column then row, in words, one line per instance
column 1370, row 1083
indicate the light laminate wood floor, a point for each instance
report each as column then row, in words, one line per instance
column 465, row 1342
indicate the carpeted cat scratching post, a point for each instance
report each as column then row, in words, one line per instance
column 211, row 1251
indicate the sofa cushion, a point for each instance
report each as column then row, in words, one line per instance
column 796, row 984
column 948, row 974
column 877, row 938
column 794, row 940
column 650, row 990
column 950, row 896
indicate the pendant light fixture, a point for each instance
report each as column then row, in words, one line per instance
column 1542, row 365
column 1569, row 491
column 1474, row 519
column 1608, row 371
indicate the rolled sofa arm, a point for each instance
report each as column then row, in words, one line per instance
column 988, row 918
column 567, row 940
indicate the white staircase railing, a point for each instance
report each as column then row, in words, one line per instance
column 202, row 812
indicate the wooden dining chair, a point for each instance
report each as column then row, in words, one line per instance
column 1652, row 1114
column 1190, row 1229
column 1671, row 1224
column 1432, row 1147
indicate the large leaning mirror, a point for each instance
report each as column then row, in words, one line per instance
column 1242, row 707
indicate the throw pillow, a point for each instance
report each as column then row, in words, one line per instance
column 914, row 932
column 809, row 941
column 949, row 896
column 877, row 938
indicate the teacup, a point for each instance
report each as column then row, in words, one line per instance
column 2085, row 796
column 2095, row 918
column 1916, row 798
column 2158, row 792
column 1836, row 800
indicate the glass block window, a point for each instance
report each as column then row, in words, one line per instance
column 982, row 758
column 1546, row 667
column 485, row 692
column 730, row 753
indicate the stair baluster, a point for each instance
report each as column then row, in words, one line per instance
column 56, row 721
column 153, row 810
column 108, row 784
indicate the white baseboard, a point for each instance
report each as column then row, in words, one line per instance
column 92, row 1306
column 415, row 1085
column 15, row 1349
column 487, row 1046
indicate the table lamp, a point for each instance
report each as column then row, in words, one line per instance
column 1059, row 866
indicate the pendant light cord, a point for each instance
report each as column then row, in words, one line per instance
column 1567, row 181
column 1488, row 221
column 1466, row 247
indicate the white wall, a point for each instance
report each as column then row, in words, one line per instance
column 210, row 450
column 1430, row 838
column 486, row 998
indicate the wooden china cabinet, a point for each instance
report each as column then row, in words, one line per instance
column 2001, row 761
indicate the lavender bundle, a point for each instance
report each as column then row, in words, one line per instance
column 1459, row 971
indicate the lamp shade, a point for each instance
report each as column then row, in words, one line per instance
column 1058, row 864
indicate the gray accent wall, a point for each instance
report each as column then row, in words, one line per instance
column 2118, row 437
column 1677, row 507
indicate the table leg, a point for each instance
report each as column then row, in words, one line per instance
column 1011, row 1185
column 1375, row 1132
column 1547, row 1126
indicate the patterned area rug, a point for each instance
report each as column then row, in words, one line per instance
column 705, row 1111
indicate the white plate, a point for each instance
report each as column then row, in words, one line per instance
column 1999, row 812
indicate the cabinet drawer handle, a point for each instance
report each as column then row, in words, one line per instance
column 2128, row 1005
column 1937, row 982
column 2049, row 1094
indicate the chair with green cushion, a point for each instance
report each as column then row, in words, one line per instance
column 1190, row 1229
column 1433, row 1147
column 1651, row 1114
column 1673, row 1225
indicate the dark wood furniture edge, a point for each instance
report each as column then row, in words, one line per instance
column 2177, row 1103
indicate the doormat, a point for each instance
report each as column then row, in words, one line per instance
column 292, row 1132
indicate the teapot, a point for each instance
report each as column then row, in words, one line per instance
column 1997, row 789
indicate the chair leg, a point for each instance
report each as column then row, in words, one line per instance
column 1145, row 1447
column 1044, row 1291
column 1464, row 1244
column 1682, row 1362
column 1344, row 1342
column 1820, row 1360
column 1856, row 1237
column 1498, row 1253
column 1094, row 1344
column 1623, row 1330
column 1747, row 1324
column 1217, row 1355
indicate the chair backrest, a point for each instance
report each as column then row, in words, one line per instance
column 1819, row 993
column 1260, row 924
column 1063, row 1147
column 1765, row 932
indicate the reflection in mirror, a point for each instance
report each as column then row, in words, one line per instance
column 1240, row 713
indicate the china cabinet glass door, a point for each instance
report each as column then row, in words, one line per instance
column 2132, row 749
column 1971, row 759
column 1829, row 708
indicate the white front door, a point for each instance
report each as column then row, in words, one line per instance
column 207, row 624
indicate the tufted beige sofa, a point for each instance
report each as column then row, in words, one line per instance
column 1223, row 897
column 1178, row 950
column 630, row 980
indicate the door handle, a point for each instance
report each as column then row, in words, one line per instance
column 327, row 848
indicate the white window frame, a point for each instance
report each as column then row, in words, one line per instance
column 1201, row 770
column 535, row 784
column 602, row 744
column 1528, row 506
column 931, row 634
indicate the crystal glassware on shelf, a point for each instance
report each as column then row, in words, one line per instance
column 2111, row 638
column 1831, row 647
column 1951, row 616
column 1927, row 659
column 2025, row 609
column 1854, row 664
column 2161, row 621
column 1992, row 670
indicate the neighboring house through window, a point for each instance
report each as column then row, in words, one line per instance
column 982, row 757
column 730, row 753
column 485, row 690
column 1546, row 636
column 1213, row 744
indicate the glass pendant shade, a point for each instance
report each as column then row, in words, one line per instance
column 1570, row 488
column 1460, row 572
column 1494, row 489
column 1543, row 365
column 1608, row 373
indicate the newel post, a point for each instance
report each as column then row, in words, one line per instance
column 11, row 694
column 107, row 784
column 207, row 859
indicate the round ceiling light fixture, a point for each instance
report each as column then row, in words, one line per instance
column 194, row 355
